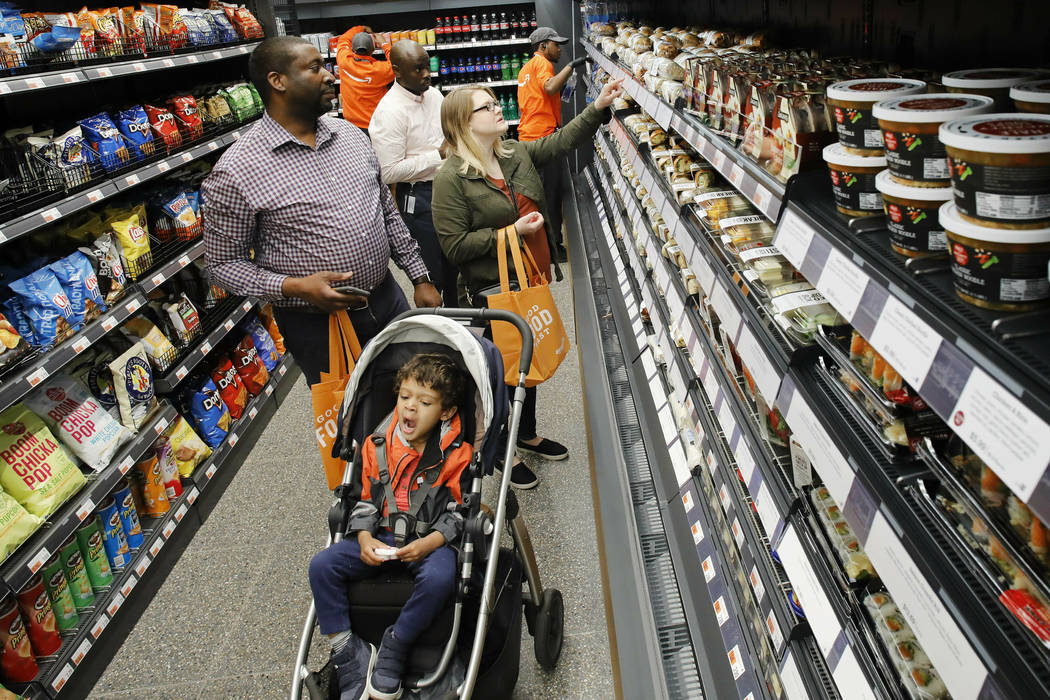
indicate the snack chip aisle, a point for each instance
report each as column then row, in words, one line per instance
column 830, row 325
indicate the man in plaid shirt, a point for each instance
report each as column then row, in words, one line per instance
column 296, row 207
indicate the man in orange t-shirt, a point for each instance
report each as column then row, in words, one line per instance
column 363, row 80
column 539, row 99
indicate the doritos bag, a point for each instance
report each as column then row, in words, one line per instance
column 105, row 139
column 263, row 343
column 270, row 323
column 164, row 127
column 250, row 368
column 134, row 125
column 184, row 107
column 35, row 469
column 209, row 412
column 233, row 393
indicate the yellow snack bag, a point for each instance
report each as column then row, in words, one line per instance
column 34, row 469
column 188, row 447
column 130, row 229
column 16, row 524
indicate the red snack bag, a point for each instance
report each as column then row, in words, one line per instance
column 233, row 393
column 243, row 21
column 250, row 367
column 184, row 107
column 133, row 25
column 164, row 126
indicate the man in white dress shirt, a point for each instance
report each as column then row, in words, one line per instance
column 406, row 135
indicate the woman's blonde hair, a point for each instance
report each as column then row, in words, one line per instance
column 456, row 111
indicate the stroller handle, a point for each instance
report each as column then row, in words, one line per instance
column 486, row 315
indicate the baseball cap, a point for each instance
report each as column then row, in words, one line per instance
column 546, row 34
column 363, row 43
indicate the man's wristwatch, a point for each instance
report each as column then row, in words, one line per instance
column 424, row 279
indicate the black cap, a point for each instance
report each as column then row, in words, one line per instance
column 362, row 43
column 546, row 34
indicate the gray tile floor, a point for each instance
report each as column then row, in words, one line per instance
column 226, row 622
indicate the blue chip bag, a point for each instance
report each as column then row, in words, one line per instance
column 11, row 21
column 226, row 31
column 58, row 39
column 210, row 27
column 16, row 314
column 73, row 286
column 105, row 138
column 77, row 276
column 210, row 413
column 134, row 125
column 46, row 305
column 263, row 343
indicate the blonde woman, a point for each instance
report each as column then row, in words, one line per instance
column 487, row 183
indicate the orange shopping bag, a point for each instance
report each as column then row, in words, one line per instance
column 535, row 304
column 327, row 394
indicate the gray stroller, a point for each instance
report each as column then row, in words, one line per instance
column 480, row 629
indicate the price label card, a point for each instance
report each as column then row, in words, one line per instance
column 191, row 59
column 184, row 261
column 719, row 160
column 35, row 83
column 773, row 627
column 186, row 157
column 169, row 527
column 50, row 215
column 132, row 180
column 94, row 196
column 756, row 584
column 235, row 135
column 85, row 509
column 689, row 504
column 99, row 625
column 125, row 465
column 282, row 370
column 745, row 461
column 242, row 49
column 109, row 323
column 191, row 497
column 70, row 78
column 725, row 417
column 252, row 413
column 767, row 378
column 181, row 372
column 736, row 662
column 767, row 509
column 63, row 677
column 663, row 114
column 708, row 567
column 81, row 651
column 4, row 88
column 907, row 342
column 128, row 586
column 138, row 67
column 163, row 166
column 158, row 279
column 818, row 446
column 143, row 564
column 212, row 145
column 763, row 199
column 168, row 63
column 210, row 471
column 114, row 604
column 246, row 305
column 161, row 425
column 793, row 238
column 810, row 594
column 132, row 306
column 726, row 310
column 698, row 533
column 228, row 324
column 723, row 496
column 843, row 283
column 1010, row 438
column 269, row 389
column 935, row 627
column 216, row 54
column 158, row 544
column 81, row 344
column 205, row 348
column 738, row 533
column 38, row 376
column 104, row 72
column 37, row 562
column 736, row 176
column 721, row 612
column 181, row 513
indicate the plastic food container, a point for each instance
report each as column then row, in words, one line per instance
column 1032, row 97
column 912, row 218
column 765, row 265
column 914, row 154
column 1000, row 167
column 852, row 101
column 999, row 269
column 853, row 180
column 799, row 308
column 717, row 205
column 738, row 230
column 990, row 82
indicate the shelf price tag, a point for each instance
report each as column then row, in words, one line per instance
column 721, row 613
column 37, row 562
column 50, row 215
column 708, row 567
column 181, row 513
column 138, row 67
column 94, row 196
column 216, row 54
column 191, row 497
column 829, row 462
column 252, row 413
column 169, row 527
column 104, row 72
column 843, row 283
column 70, row 78
column 907, row 342
column 125, row 465
column 168, row 63
column 143, row 564
column 736, row 176
column 269, row 389
column 163, row 166
column 132, row 306
column 63, row 677
column 114, row 604
column 727, row 311
column 85, row 509
column 191, row 58
column 100, row 624
column 161, row 425
column 736, row 662
column 109, row 323
column 205, row 348
column 4, row 88
column 282, row 370
column 128, row 586
column 81, row 344
column 38, row 376
column 158, row 279
column 767, row 510
column 793, row 238
column 131, row 180
column 756, row 584
column 81, row 651
column 158, row 544
column 767, row 379
column 184, row 261
column 186, row 157
column 181, row 373
column 212, row 145
column 810, row 594
column 210, row 471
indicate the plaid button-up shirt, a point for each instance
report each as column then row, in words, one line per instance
column 302, row 210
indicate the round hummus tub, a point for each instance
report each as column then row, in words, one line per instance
column 998, row 269
column 1032, row 97
column 1000, row 168
column 853, row 181
column 914, row 154
column 990, row 82
column 851, row 102
column 911, row 216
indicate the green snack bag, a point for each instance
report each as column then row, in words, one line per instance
column 34, row 469
column 89, row 539
column 256, row 99
column 57, row 586
column 16, row 524
column 76, row 574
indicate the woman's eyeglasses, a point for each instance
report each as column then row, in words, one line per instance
column 491, row 106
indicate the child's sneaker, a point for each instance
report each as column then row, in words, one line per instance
column 384, row 680
column 352, row 665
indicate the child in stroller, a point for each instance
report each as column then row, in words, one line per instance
column 412, row 466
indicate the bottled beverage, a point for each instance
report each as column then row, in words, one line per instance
column 503, row 105
column 504, row 26
column 434, row 65
column 494, row 69
column 447, row 31
column 457, row 29
column 532, row 21
column 443, row 71
column 515, row 114
column 475, row 28
column 438, row 30
column 504, row 67
column 472, row 69
column 515, row 67
column 515, row 24
column 485, row 26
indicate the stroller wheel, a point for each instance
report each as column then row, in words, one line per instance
column 550, row 629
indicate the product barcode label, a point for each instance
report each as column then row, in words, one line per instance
column 796, row 300
column 708, row 567
column 755, row 253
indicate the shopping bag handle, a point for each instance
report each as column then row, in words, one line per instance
column 505, row 235
column 343, row 346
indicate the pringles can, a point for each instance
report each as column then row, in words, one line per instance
column 76, row 574
column 57, row 586
column 17, row 664
column 129, row 515
column 39, row 618
column 89, row 539
column 113, row 537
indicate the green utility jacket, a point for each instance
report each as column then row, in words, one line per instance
column 469, row 209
